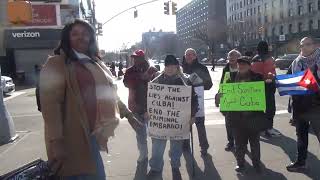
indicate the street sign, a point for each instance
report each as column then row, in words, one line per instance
column 282, row 37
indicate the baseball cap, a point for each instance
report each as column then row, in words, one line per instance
column 138, row 53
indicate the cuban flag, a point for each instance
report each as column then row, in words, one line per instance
column 301, row 83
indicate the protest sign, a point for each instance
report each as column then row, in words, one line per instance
column 246, row 96
column 199, row 90
column 169, row 109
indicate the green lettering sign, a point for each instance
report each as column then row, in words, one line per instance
column 246, row 96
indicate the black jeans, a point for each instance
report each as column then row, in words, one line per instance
column 242, row 136
column 230, row 135
column 302, row 130
column 270, row 103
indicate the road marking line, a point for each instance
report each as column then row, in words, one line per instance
column 26, row 115
column 14, row 94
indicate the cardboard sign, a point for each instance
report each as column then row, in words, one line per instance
column 169, row 109
column 247, row 96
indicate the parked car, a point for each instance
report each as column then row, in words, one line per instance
column 221, row 61
column 285, row 61
column 7, row 85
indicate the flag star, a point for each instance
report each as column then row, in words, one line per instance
column 307, row 81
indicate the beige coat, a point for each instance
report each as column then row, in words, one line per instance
column 63, row 112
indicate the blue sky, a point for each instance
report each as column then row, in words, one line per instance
column 125, row 30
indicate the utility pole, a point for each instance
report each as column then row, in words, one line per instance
column 7, row 129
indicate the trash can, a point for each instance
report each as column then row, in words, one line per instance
column 21, row 76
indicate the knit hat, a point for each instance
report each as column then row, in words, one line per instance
column 244, row 59
column 171, row 60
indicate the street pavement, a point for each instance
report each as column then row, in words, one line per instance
column 120, row 163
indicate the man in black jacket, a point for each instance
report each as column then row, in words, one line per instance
column 192, row 66
column 306, row 108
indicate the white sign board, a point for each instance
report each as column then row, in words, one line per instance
column 200, row 93
column 169, row 109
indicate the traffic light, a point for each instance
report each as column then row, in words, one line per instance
column 135, row 14
column 99, row 33
column 166, row 8
column 174, row 8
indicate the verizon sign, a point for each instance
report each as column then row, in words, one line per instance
column 25, row 34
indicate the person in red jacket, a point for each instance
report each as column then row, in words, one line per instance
column 136, row 78
column 263, row 63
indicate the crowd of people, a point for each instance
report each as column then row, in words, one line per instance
column 81, row 107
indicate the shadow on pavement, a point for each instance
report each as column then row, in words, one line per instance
column 266, row 174
column 289, row 146
column 209, row 173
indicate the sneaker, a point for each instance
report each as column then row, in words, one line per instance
column 176, row 175
column 296, row 167
column 273, row 132
column 229, row 147
column 239, row 168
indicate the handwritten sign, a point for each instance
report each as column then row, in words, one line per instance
column 169, row 109
column 247, row 96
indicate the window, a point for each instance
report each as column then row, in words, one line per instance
column 281, row 30
column 281, row 2
column 272, row 4
column 318, row 24
column 265, row 6
column 290, row 13
column 310, row 25
column 310, row 7
column 300, row 10
column 318, row 4
column 290, row 28
column 265, row 19
column 259, row 11
column 254, row 11
column 241, row 4
column 281, row 14
column 273, row 31
column 300, row 27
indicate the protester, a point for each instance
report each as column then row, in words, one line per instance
column 263, row 63
column 213, row 64
column 247, row 124
column 306, row 108
column 37, row 70
column 191, row 66
column 78, row 104
column 136, row 78
column 171, row 75
column 113, row 69
column 229, row 72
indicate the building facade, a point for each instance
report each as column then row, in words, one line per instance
column 201, row 24
column 280, row 22
column 28, row 43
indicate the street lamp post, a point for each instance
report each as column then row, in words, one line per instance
column 7, row 129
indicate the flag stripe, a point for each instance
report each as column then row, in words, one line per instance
column 299, row 92
column 295, row 88
column 288, row 76
column 287, row 85
column 289, row 81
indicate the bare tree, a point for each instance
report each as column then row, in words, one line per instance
column 202, row 35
